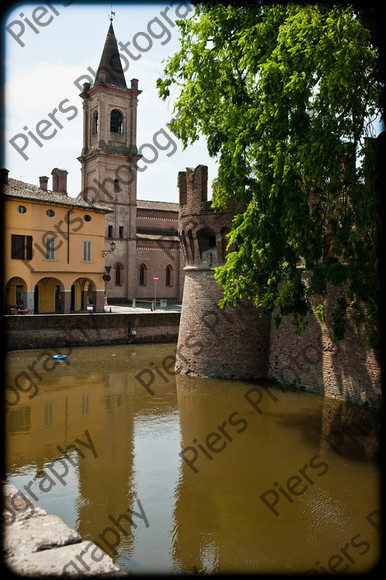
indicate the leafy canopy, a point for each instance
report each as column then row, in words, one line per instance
column 286, row 96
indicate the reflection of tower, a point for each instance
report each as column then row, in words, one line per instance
column 105, row 484
column 229, row 343
column 219, row 526
column 235, row 457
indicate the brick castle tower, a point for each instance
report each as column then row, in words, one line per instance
column 225, row 343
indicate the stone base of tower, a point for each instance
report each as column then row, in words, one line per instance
column 225, row 343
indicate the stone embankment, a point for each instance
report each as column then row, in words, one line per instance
column 44, row 330
column 36, row 544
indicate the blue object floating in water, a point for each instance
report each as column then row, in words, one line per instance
column 60, row 356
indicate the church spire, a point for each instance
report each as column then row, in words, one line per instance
column 110, row 67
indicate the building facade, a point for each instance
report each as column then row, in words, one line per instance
column 145, row 234
column 53, row 248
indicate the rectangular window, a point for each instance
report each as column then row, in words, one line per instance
column 86, row 251
column 19, row 420
column 21, row 247
column 48, row 413
column 121, row 231
column 110, row 231
column 85, row 402
column 50, row 248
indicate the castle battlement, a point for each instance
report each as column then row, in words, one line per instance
column 202, row 230
column 193, row 186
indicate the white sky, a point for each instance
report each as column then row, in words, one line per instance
column 41, row 75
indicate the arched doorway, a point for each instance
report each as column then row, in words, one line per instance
column 48, row 296
column 16, row 296
column 83, row 295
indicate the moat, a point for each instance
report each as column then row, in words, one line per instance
column 173, row 473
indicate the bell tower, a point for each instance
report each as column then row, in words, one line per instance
column 109, row 157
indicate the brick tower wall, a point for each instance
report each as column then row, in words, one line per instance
column 214, row 342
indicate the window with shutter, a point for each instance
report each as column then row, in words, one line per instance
column 86, row 251
column 28, row 247
column 50, row 248
column 21, row 247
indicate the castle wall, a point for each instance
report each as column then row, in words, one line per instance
column 230, row 342
column 226, row 343
column 344, row 369
column 70, row 330
column 237, row 342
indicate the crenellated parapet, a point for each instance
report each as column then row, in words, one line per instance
column 202, row 230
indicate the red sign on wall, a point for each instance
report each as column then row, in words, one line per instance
column 155, row 278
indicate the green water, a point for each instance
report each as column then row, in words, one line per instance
column 270, row 479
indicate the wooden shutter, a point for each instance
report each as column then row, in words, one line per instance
column 28, row 247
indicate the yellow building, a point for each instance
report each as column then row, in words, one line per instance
column 54, row 247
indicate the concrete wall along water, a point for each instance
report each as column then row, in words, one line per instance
column 40, row 331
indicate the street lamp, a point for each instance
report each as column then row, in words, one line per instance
column 112, row 248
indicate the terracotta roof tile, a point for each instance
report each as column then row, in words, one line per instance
column 27, row 191
column 158, row 205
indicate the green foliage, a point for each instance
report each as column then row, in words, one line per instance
column 320, row 313
column 285, row 96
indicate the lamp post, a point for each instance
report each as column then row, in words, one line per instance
column 112, row 248
column 106, row 277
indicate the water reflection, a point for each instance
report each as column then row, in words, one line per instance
column 316, row 496
column 269, row 479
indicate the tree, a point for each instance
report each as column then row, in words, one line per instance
column 287, row 96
